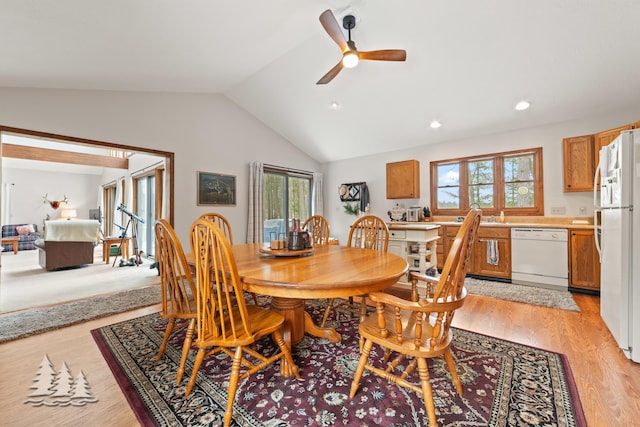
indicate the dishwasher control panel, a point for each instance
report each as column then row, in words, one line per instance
column 557, row 234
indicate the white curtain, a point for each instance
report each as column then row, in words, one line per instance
column 317, row 202
column 100, row 206
column 165, row 190
column 6, row 203
column 255, row 220
column 117, row 215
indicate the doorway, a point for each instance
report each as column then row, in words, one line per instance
column 159, row 178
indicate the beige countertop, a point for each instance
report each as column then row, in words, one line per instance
column 509, row 224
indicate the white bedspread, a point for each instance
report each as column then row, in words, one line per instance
column 74, row 230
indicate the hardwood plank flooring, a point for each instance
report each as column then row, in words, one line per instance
column 608, row 383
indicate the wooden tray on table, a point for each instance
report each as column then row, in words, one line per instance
column 266, row 250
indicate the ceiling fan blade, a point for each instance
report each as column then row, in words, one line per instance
column 331, row 26
column 331, row 74
column 384, row 55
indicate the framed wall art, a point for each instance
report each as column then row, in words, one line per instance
column 216, row 189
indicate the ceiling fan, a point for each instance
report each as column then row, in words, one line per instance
column 350, row 55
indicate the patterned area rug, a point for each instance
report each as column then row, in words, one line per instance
column 521, row 293
column 504, row 383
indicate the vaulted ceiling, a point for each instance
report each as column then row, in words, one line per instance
column 468, row 62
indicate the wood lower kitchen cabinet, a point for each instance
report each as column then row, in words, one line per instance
column 416, row 243
column 480, row 265
column 584, row 263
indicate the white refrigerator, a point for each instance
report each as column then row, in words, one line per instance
column 618, row 239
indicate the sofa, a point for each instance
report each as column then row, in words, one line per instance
column 27, row 234
column 68, row 243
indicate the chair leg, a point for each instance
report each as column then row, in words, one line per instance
column 233, row 385
column 454, row 372
column 363, row 308
column 427, row 393
column 196, row 367
column 186, row 346
column 167, row 334
column 326, row 312
column 364, row 357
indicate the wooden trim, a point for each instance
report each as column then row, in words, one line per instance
column 59, row 156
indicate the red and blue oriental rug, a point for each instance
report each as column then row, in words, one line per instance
column 505, row 384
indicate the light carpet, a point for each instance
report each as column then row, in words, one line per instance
column 24, row 324
column 26, row 285
column 520, row 293
column 504, row 383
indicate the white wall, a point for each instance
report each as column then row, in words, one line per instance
column 372, row 169
column 29, row 186
column 210, row 133
column 206, row 133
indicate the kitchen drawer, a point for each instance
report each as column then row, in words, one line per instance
column 452, row 230
column 397, row 234
column 494, row 232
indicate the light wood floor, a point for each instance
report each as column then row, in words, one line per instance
column 608, row 383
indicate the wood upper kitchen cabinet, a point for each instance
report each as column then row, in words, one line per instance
column 578, row 163
column 403, row 180
column 584, row 263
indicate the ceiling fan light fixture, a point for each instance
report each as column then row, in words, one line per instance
column 523, row 105
column 350, row 59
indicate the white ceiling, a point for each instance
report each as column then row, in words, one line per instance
column 468, row 62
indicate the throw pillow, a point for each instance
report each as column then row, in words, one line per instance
column 25, row 229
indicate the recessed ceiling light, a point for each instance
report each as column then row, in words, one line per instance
column 334, row 106
column 435, row 124
column 523, row 105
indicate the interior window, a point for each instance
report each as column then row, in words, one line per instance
column 509, row 182
column 448, row 186
column 481, row 183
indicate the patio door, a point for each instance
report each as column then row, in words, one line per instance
column 145, row 204
column 287, row 195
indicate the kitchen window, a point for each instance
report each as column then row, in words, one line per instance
column 509, row 182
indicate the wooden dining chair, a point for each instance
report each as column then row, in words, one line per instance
column 225, row 323
column 178, row 289
column 420, row 328
column 369, row 232
column 318, row 228
column 222, row 222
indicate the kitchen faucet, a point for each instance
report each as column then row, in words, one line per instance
column 474, row 205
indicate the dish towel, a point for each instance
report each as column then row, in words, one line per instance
column 364, row 198
column 493, row 256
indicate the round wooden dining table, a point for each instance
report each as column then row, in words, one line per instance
column 330, row 271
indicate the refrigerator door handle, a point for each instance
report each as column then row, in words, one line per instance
column 596, row 232
column 596, row 210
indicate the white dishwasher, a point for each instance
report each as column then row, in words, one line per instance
column 539, row 257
